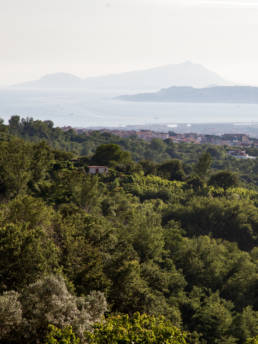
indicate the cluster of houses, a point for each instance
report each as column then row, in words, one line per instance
column 231, row 140
column 239, row 140
column 240, row 154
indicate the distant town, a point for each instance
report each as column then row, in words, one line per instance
column 238, row 142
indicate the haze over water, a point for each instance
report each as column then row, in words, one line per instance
column 83, row 109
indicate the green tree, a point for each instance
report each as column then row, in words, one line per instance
column 41, row 162
column 195, row 183
column 224, row 179
column 15, row 171
column 158, row 145
column 109, row 154
column 233, row 220
column 149, row 167
column 213, row 319
column 246, row 324
column 3, row 127
column 172, row 170
column 14, row 124
column 24, row 255
column 202, row 166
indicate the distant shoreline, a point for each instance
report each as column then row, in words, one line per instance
column 215, row 95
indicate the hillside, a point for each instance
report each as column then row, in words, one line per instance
column 218, row 94
column 166, row 251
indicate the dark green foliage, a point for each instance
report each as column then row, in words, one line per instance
column 195, row 182
column 26, row 247
column 110, row 154
column 148, row 167
column 233, row 220
column 172, row 170
column 153, row 236
column 158, row 145
column 15, row 169
column 224, row 179
column 202, row 166
column 246, row 324
column 213, row 318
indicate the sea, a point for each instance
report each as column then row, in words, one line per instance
column 84, row 108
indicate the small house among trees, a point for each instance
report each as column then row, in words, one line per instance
column 98, row 169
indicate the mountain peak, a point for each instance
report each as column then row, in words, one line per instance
column 59, row 76
column 184, row 74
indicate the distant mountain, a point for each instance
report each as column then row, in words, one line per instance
column 54, row 81
column 218, row 94
column 184, row 74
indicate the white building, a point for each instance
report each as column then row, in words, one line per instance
column 98, row 169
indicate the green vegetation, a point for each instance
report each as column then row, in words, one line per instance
column 63, row 336
column 199, row 159
column 162, row 249
column 135, row 329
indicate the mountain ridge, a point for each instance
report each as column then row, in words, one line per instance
column 182, row 74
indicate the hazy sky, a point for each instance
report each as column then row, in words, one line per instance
column 94, row 37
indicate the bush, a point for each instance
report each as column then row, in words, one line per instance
column 137, row 329
column 61, row 336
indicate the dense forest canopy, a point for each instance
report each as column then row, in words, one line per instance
column 164, row 247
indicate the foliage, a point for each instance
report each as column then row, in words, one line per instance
column 27, row 251
column 10, row 313
column 252, row 340
column 48, row 301
column 171, row 170
column 152, row 236
column 233, row 220
column 135, row 329
column 61, row 336
column 202, row 166
column 109, row 154
column 224, row 179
